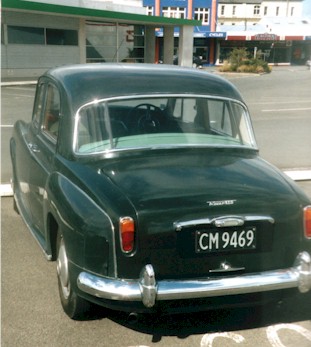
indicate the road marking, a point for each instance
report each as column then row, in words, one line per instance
column 287, row 109
column 207, row 339
column 279, row 102
column 274, row 339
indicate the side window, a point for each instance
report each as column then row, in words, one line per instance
column 51, row 111
column 185, row 110
column 38, row 106
column 219, row 114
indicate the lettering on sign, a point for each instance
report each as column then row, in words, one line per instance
column 266, row 37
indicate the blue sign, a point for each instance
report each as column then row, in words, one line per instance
column 216, row 34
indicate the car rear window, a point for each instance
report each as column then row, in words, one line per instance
column 161, row 121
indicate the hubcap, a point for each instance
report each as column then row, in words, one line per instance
column 62, row 270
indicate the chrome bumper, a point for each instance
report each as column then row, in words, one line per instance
column 147, row 290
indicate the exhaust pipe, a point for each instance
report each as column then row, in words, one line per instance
column 132, row 318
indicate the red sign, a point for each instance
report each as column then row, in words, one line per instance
column 265, row 37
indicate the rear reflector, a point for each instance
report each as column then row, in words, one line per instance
column 307, row 221
column 127, row 234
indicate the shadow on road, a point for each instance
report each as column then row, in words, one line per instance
column 223, row 320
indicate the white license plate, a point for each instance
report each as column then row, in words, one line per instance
column 225, row 240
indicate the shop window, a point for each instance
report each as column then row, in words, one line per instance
column 41, row 36
column 111, row 42
column 61, row 37
column 25, row 35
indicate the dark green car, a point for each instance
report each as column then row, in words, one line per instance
column 144, row 183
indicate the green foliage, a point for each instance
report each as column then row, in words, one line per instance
column 240, row 61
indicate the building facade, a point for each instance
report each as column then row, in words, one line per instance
column 273, row 29
column 41, row 34
column 204, row 35
column 250, row 12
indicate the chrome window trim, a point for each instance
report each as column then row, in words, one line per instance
column 110, row 151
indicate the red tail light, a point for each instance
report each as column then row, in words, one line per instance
column 127, row 234
column 307, row 221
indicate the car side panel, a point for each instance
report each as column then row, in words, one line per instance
column 87, row 229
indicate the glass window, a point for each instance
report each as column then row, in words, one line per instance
column 265, row 12
column 52, row 111
column 38, row 106
column 164, row 121
column 222, row 10
column 61, row 37
column 174, row 12
column 25, row 35
column 149, row 10
column 202, row 14
column 256, row 10
column 111, row 42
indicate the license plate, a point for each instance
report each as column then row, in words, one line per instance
column 224, row 240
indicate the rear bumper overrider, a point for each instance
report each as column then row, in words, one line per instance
column 148, row 290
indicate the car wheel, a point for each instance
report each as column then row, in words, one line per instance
column 74, row 306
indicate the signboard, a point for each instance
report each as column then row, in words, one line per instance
column 216, row 34
column 265, row 37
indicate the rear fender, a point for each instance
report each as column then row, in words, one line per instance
column 87, row 229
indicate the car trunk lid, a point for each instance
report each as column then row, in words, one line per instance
column 206, row 215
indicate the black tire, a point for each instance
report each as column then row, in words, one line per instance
column 74, row 306
column 15, row 208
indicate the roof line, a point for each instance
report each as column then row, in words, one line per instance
column 95, row 13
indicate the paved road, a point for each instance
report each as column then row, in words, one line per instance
column 32, row 315
column 280, row 106
column 31, row 311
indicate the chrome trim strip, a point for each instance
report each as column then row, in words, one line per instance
column 147, row 290
column 229, row 220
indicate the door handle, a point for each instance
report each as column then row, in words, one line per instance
column 34, row 148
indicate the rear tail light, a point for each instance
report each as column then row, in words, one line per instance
column 127, row 234
column 307, row 221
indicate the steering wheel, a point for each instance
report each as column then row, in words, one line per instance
column 148, row 122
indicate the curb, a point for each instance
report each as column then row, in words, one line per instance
column 18, row 83
column 299, row 175
column 6, row 190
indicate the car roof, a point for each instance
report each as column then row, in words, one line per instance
column 86, row 82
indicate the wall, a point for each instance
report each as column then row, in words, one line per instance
column 20, row 60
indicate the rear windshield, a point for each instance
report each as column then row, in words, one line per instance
column 168, row 121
